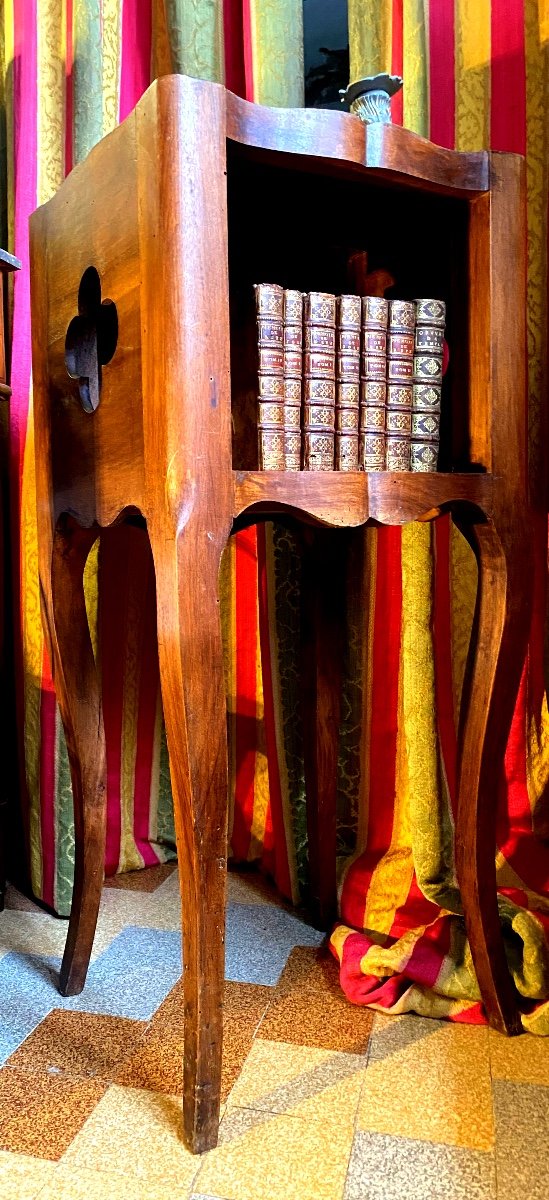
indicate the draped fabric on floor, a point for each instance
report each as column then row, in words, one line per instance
column 476, row 74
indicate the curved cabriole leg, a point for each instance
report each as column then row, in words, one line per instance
column 193, row 695
column 79, row 698
column 496, row 658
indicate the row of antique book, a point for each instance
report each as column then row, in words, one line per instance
column 348, row 382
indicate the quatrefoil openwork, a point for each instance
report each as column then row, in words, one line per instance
column 91, row 339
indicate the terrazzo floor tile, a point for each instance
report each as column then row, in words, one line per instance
column 22, row 1177
column 14, row 899
column 317, row 1018
column 523, row 1059
column 522, row 1141
column 262, row 1156
column 36, row 933
column 141, row 881
column 450, row 1097
column 311, row 969
column 387, row 1168
column 259, row 940
column 67, row 1184
column 133, row 976
column 28, row 992
column 249, row 887
column 156, row 1062
column 80, row 1044
column 41, row 1114
column 316, row 1085
column 244, row 1005
column 138, row 1134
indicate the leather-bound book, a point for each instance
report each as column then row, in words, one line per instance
column 373, row 385
column 400, row 362
column 349, row 324
column 269, row 303
column 427, row 385
column 293, row 378
column 319, row 358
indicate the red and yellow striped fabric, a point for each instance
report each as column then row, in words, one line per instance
column 474, row 76
column 70, row 70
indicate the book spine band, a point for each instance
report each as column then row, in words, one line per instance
column 373, row 383
column 427, row 384
column 269, row 303
column 319, row 375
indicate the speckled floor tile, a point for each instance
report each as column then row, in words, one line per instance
column 387, row 1168
column 34, row 932
column 28, row 992
column 317, row 1018
column 523, row 1059
column 259, row 940
column 430, row 1081
column 317, row 1085
column 69, row 1184
column 156, row 1062
column 22, row 1177
column 138, row 1134
column 133, row 976
column 244, row 1005
column 147, row 880
column 262, row 1156
column 15, row 899
column 522, row 1140
column 311, row 969
column 249, row 887
column 80, row 1044
column 41, row 1114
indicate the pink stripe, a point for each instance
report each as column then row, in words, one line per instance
column 69, row 95
column 441, row 73
column 149, row 684
column 135, row 72
column 25, row 183
column 248, row 50
column 508, row 80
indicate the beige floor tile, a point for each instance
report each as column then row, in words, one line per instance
column 263, row 1156
column 22, row 1177
column 138, row 1134
column 82, row 1184
column 317, row 1085
column 428, row 1080
column 523, row 1059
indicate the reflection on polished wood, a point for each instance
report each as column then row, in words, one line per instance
column 163, row 210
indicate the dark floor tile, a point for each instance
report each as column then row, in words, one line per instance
column 41, row 1114
column 78, row 1044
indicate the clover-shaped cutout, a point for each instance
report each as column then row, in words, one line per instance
column 91, row 339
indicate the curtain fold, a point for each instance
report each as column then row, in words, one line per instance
column 474, row 77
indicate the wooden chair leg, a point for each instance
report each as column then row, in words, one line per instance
column 496, row 659
column 193, row 694
column 322, row 616
column 79, row 698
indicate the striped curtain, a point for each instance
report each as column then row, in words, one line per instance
column 71, row 70
column 476, row 75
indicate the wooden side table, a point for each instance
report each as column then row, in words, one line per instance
column 138, row 264
column 7, row 703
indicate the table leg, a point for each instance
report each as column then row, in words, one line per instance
column 496, row 659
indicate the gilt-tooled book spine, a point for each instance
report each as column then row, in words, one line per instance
column 427, row 385
column 319, row 381
column 400, row 363
column 373, row 384
column 348, row 382
column 293, row 378
column 269, row 303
